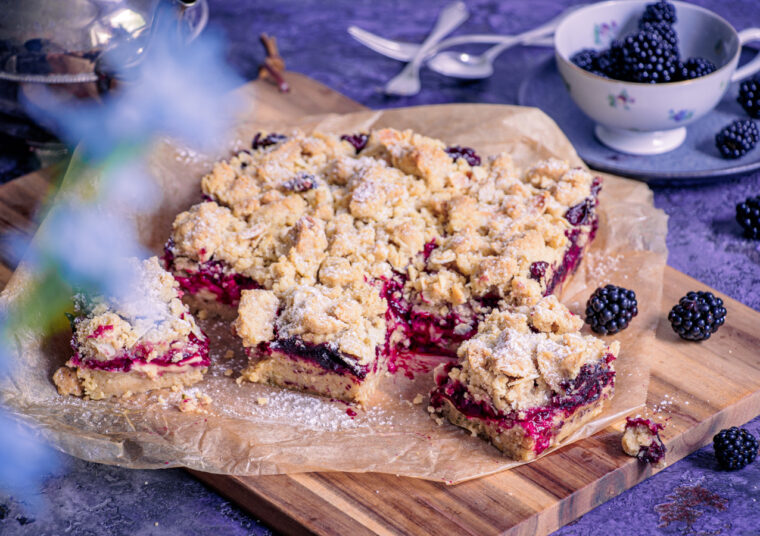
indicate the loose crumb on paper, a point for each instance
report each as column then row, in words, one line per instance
column 194, row 403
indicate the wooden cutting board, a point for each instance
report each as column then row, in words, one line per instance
column 701, row 388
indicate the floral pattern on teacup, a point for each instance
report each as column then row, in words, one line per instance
column 680, row 115
column 622, row 100
column 603, row 32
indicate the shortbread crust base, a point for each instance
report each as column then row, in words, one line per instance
column 512, row 441
column 99, row 384
column 302, row 375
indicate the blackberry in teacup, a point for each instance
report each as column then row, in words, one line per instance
column 662, row 11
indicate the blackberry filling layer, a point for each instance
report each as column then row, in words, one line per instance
column 193, row 354
column 211, row 276
column 325, row 355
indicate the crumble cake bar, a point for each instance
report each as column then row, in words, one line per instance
column 440, row 235
column 146, row 339
column 527, row 380
column 318, row 339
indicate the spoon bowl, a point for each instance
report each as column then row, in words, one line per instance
column 461, row 65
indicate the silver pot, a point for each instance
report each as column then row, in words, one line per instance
column 69, row 41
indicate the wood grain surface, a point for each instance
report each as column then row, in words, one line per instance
column 698, row 388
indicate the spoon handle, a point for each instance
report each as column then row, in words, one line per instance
column 407, row 82
column 540, row 31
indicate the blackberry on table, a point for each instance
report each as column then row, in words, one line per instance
column 697, row 315
column 696, row 67
column 610, row 309
column 737, row 139
column 662, row 11
column 648, row 58
column 749, row 97
column 748, row 216
column 735, row 448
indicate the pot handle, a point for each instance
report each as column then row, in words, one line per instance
column 753, row 65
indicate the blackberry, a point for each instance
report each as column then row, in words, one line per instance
column 697, row 315
column 735, row 448
column 470, row 156
column 666, row 31
column 696, row 67
column 610, row 309
column 648, row 58
column 748, row 216
column 749, row 97
column 265, row 141
column 610, row 62
column 737, row 138
column 662, row 11
column 359, row 141
column 588, row 60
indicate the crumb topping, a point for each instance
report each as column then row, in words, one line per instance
column 308, row 211
column 148, row 313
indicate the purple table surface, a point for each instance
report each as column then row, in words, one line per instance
column 692, row 496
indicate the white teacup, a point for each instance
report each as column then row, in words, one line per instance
column 649, row 118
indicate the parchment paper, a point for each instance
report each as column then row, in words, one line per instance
column 254, row 429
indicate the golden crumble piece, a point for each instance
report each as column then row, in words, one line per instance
column 256, row 316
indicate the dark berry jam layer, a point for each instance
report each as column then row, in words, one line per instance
column 537, row 423
column 324, row 355
column 655, row 451
column 212, row 276
column 194, row 354
column 422, row 331
column 582, row 214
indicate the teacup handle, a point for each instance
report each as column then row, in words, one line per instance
column 752, row 66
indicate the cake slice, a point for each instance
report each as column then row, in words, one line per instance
column 141, row 340
column 317, row 339
column 527, row 380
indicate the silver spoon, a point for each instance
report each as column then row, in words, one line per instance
column 462, row 65
column 407, row 82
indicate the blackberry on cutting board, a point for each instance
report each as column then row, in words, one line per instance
column 610, row 309
column 697, row 315
column 748, row 216
column 749, row 97
column 737, row 139
column 662, row 11
column 735, row 448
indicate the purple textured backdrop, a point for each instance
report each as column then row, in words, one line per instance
column 691, row 496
